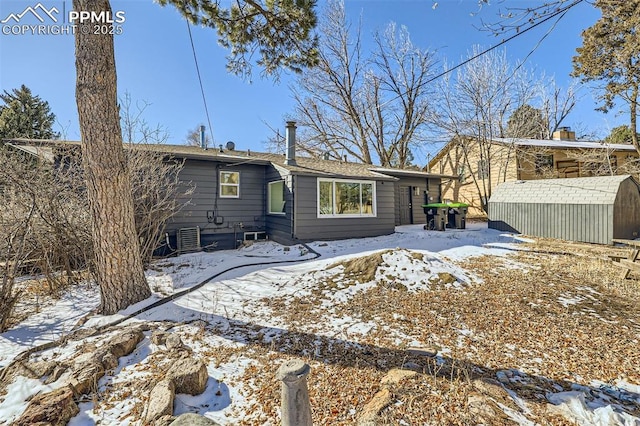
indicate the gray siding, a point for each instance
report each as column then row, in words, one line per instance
column 307, row 225
column 572, row 222
column 591, row 219
column 247, row 210
column 279, row 227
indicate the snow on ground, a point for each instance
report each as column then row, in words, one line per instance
column 415, row 258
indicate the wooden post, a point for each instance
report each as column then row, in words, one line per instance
column 296, row 408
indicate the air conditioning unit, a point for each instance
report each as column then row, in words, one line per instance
column 188, row 239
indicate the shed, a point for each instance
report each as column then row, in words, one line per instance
column 590, row 209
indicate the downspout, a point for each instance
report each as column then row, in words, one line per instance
column 294, row 208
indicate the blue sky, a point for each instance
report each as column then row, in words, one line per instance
column 155, row 63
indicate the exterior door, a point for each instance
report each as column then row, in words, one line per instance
column 406, row 217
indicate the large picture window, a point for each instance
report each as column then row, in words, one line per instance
column 346, row 198
column 229, row 184
column 276, row 197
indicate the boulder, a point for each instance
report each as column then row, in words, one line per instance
column 173, row 341
column 190, row 419
column 85, row 379
column 123, row 344
column 158, row 337
column 396, row 375
column 373, row 408
column 42, row 368
column 54, row 408
column 160, row 401
column 189, row 376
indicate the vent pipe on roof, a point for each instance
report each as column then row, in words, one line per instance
column 203, row 139
column 290, row 137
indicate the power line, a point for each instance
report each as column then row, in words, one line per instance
column 204, row 99
column 561, row 11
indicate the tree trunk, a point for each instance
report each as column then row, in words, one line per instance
column 118, row 265
column 633, row 124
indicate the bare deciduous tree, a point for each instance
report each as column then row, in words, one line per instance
column 484, row 102
column 135, row 127
column 193, row 138
column 46, row 225
column 474, row 111
column 371, row 109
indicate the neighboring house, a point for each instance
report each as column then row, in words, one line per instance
column 481, row 166
column 243, row 195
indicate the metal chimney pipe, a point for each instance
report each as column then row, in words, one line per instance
column 203, row 139
column 290, row 137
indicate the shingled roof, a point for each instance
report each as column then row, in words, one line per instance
column 584, row 190
column 304, row 165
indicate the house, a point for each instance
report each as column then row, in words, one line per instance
column 482, row 166
column 587, row 209
column 244, row 195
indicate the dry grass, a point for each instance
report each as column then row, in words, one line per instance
column 541, row 321
column 512, row 325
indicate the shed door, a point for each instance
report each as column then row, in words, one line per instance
column 406, row 218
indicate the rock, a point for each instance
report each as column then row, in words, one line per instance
column 160, row 401
column 41, row 368
column 190, row 419
column 164, row 421
column 158, row 337
column 86, row 378
column 109, row 361
column 57, row 372
column 371, row 410
column 479, row 405
column 54, row 408
column 396, row 375
column 173, row 341
column 189, row 376
column 89, row 348
column 123, row 344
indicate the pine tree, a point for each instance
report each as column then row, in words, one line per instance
column 610, row 54
column 279, row 31
column 24, row 115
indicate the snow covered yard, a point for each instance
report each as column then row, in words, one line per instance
column 500, row 330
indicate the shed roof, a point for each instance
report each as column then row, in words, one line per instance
column 585, row 190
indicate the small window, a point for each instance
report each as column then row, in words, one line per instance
column 416, row 191
column 276, row 197
column 543, row 163
column 483, row 169
column 229, row 184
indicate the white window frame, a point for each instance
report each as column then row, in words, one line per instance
column 269, row 185
column 221, row 184
column 351, row 215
